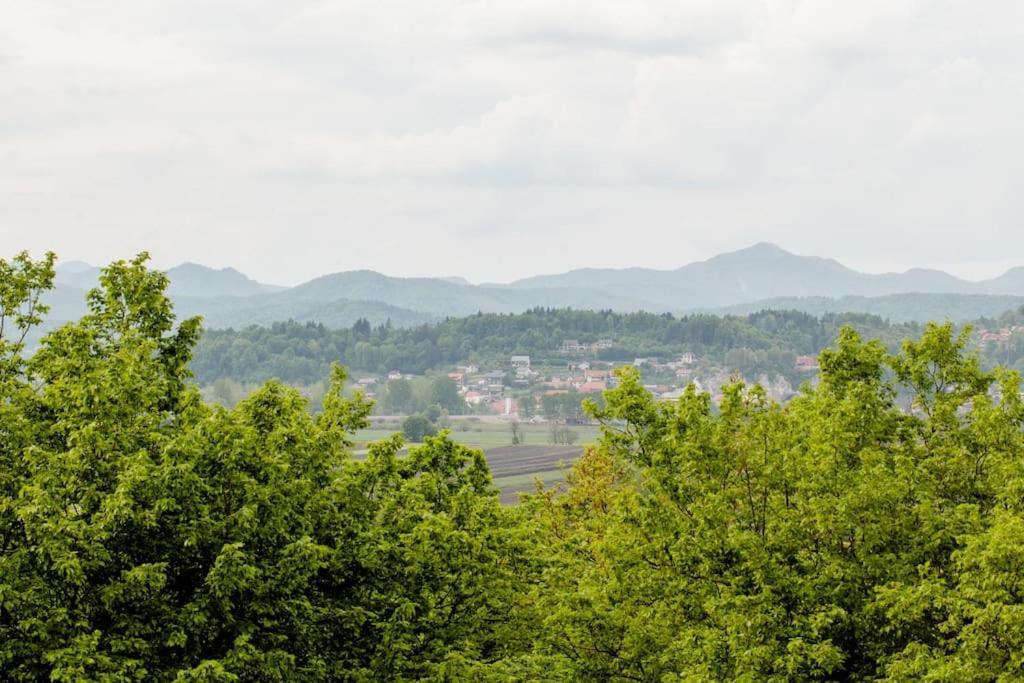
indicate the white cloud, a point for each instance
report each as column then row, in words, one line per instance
column 289, row 139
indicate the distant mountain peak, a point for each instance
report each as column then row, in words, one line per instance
column 455, row 280
column 192, row 266
column 761, row 251
column 74, row 267
column 767, row 248
column 197, row 280
column 756, row 273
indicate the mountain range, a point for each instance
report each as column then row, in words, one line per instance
column 758, row 277
column 765, row 271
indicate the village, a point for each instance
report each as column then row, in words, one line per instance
column 1001, row 335
column 523, row 388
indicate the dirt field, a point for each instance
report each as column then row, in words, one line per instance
column 514, row 468
column 486, row 435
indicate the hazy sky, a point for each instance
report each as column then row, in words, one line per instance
column 499, row 139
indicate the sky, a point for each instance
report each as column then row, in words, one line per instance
column 496, row 140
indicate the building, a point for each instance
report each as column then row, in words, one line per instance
column 995, row 336
column 520, row 362
column 494, row 381
column 576, row 346
column 806, row 363
column 394, row 374
column 506, row 407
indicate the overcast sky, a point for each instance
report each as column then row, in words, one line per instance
column 501, row 139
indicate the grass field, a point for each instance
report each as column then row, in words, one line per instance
column 488, row 435
column 514, row 467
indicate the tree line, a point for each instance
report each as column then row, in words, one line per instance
column 301, row 353
column 147, row 535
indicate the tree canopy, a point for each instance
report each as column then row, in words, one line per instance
column 147, row 536
column 839, row 537
column 870, row 529
column 301, row 353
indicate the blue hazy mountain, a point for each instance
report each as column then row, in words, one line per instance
column 761, row 276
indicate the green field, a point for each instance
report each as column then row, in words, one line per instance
column 486, row 435
column 514, row 467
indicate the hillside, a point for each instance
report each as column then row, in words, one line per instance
column 302, row 353
column 895, row 307
column 234, row 312
column 187, row 279
column 442, row 297
column 765, row 271
column 192, row 279
column 761, row 276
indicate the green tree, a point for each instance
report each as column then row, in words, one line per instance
column 843, row 537
column 445, row 393
column 527, row 406
column 871, row 529
column 149, row 536
column 416, row 428
column 516, row 431
column 361, row 329
column 22, row 285
column 398, row 397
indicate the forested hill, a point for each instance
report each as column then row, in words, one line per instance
column 302, row 352
column 897, row 307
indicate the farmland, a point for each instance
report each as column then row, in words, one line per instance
column 514, row 467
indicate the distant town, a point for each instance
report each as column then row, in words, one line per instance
column 523, row 389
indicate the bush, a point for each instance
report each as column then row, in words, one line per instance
column 416, row 428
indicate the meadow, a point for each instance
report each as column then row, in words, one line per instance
column 515, row 467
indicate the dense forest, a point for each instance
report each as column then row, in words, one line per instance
column 300, row 353
column 147, row 535
column 761, row 342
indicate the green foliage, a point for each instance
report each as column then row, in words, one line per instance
column 148, row 536
column 444, row 393
column 871, row 529
column 22, row 285
column 397, row 397
column 565, row 407
column 416, row 428
column 844, row 537
column 561, row 435
column 435, row 393
column 300, row 354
